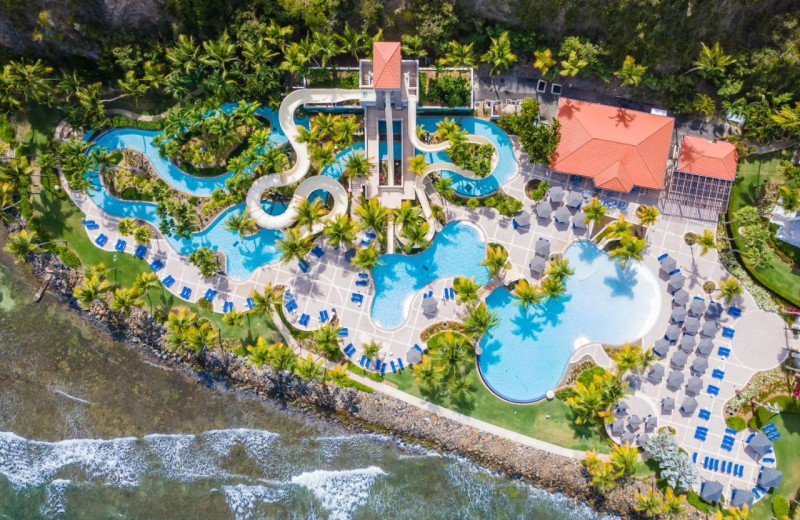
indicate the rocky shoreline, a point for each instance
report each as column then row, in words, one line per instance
column 361, row 411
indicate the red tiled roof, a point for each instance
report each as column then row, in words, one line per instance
column 386, row 65
column 618, row 148
column 702, row 157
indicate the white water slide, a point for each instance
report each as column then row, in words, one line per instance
column 302, row 162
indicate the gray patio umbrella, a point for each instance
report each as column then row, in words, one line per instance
column 668, row 264
column 676, row 281
column 691, row 325
column 678, row 315
column 429, row 305
column 627, row 437
column 667, row 404
column 544, row 210
column 760, row 444
column 673, row 333
column 634, row 422
column 650, row 424
column 617, row 427
column 579, row 220
column 523, row 219
column 697, row 307
column 661, row 346
column 556, row 194
column 770, row 478
column 689, row 405
column 656, row 374
column 538, row 264
column 740, row 497
column 679, row 359
column 714, row 311
column 413, row 356
column 700, row 365
column 621, row 408
column 711, row 491
column 705, row 347
column 574, row 199
column 710, row 329
column 675, row 379
column 694, row 386
column 562, row 215
column 688, row 343
column 542, row 247
column 680, row 297
column 642, row 440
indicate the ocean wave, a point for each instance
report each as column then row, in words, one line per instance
column 245, row 500
column 340, row 492
column 53, row 507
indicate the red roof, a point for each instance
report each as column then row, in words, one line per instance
column 618, row 148
column 702, row 157
column 386, row 65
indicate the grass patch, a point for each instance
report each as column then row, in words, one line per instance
column 787, row 453
column 36, row 128
column 151, row 104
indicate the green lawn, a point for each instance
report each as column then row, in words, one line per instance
column 151, row 104
column 787, row 451
column 60, row 219
column 36, row 127
column 775, row 274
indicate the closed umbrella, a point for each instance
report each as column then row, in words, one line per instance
column 579, row 220
column 668, row 264
column 705, row 347
column 711, row 491
column 673, row 333
column 678, row 315
column 679, row 359
column 562, row 215
column 697, row 307
column 574, row 199
column 700, row 365
column 538, row 264
column 770, row 478
column 621, row 408
column 691, row 325
column 676, row 281
column 710, row 329
column 542, row 247
column 680, row 297
column 544, row 210
column 556, row 194
column 694, row 386
column 675, row 379
column 689, row 405
column 687, row 344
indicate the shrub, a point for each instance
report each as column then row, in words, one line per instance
column 536, row 189
column 450, row 90
column 780, row 506
column 674, row 466
column 698, row 503
column 565, row 393
column 69, row 258
column 736, row 422
column 587, row 376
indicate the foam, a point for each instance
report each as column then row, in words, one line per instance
column 340, row 492
column 53, row 507
column 244, row 500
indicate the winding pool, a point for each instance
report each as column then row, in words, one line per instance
column 527, row 353
column 456, row 251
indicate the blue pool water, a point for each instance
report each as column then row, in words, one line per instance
column 506, row 165
column 456, row 251
column 526, row 354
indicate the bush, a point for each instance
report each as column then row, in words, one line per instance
column 587, row 376
column 780, row 506
column 127, row 122
column 69, row 258
column 736, row 422
column 450, row 90
column 536, row 189
column 565, row 393
column 698, row 503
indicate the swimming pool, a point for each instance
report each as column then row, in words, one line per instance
column 504, row 170
column 526, row 354
column 456, row 251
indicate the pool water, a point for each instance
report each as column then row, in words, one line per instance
column 456, row 251
column 527, row 353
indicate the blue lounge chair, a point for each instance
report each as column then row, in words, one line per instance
column 323, row 316
column 365, row 243
column 250, row 303
column 718, row 374
column 730, row 468
column 400, row 363
column 120, row 245
column 675, row 271
column 663, row 256
column 304, row 319
column 86, row 222
column 363, row 276
column 362, row 283
column 186, row 293
column 343, row 332
column 291, row 306
column 728, row 332
column 713, row 390
column 724, row 352
column 716, row 464
column 706, row 462
column 156, row 265
column 756, row 493
column 394, row 368
column 452, row 293
column 723, row 466
column 101, row 240
column 704, row 414
column 767, row 459
column 731, row 432
column 227, row 307
column 362, row 360
column 623, row 205
column 367, row 362
column 357, row 298
column 303, row 265
column 383, row 368
column 734, row 311
column 209, row 295
column 168, row 281
column 318, row 252
column 694, row 457
column 140, row 251
column 371, row 235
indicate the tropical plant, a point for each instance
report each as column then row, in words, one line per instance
column 206, row 261
column 309, row 212
column 619, row 228
column 258, row 354
column 126, row 226
column 294, row 245
column 178, row 325
column 366, row 258
column 413, row 45
column 371, row 349
column 266, row 300
column 425, row 373
column 630, row 248
column 595, row 212
column 91, row 291
column 466, row 290
column 573, row 65
column 604, row 477
column 706, row 241
column 407, row 215
column 544, row 61
column 631, row 72
column 281, row 357
column 675, row 466
column 647, row 215
column 234, row 318
column 559, row 269
column 124, row 300
column 627, row 358
column 145, row 282
column 650, row 504
column 712, row 61
column 788, row 117
column 496, row 260
column 458, row 55
column 417, row 164
column 624, row 458
column 308, row 369
column 527, row 294
column 21, row 244
column 499, row 57
column 416, row 235
column 338, row 375
column 340, row 231
column 327, row 340
column 674, row 505
column 373, row 215
column 730, row 288
column 478, row 320
column 552, row 288
column 142, row 234
column 201, row 337
column 242, row 224
column 356, row 165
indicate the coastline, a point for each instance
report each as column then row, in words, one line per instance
column 360, row 411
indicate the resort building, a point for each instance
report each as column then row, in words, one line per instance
column 621, row 150
column 704, row 174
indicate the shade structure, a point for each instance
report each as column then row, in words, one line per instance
column 562, row 215
column 741, row 497
column 680, row 297
column 697, row 307
column 687, row 343
column 429, row 305
column 676, row 281
column 579, row 220
column 617, row 427
column 689, row 405
column 678, row 360
column 413, row 356
column 542, row 247
column 705, row 347
column 544, row 210
column 661, row 346
column 711, row 491
column 634, row 422
column 770, row 478
column 710, row 328
column 678, row 315
column 642, row 440
column 556, row 194
column 627, row 437
column 714, row 311
column 656, row 374
column 522, row 219
column 673, row 333
column 760, row 444
column 691, row 325
column 675, row 379
column 667, row 404
column 668, row 264
column 621, row 408
column 700, row 365
column 650, row 424
column 694, row 386
column 574, row 199
column 538, row 264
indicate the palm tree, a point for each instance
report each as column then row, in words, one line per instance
column 344, row 133
column 544, row 61
column 30, row 81
column 595, row 212
column 647, row 215
column 185, row 54
column 234, row 318
column 458, row 55
column 559, row 269
column 201, row 337
column 257, row 54
column 373, row 215
column 630, row 248
column 258, row 354
column 650, row 505
column 366, row 258
column 310, row 212
column 18, row 172
column 415, row 236
column 673, row 504
column 326, row 47
column 371, row 349
column 293, row 245
column 414, row 46
column 730, row 288
column 277, row 35
column 325, row 125
column 91, row 290
column 338, row 375
column 552, row 288
column 631, row 72
column 459, row 385
column 353, row 42
column 142, row 234
column 22, row 244
column 294, row 59
column 356, row 165
column 452, row 352
column 627, row 358
column 619, row 228
column 281, row 357
column 706, row 241
column 496, row 260
column 712, row 61
column 587, row 403
column 447, row 128
column 499, row 56
column 145, row 282
column 444, row 186
column 242, row 224
column 308, row 369
column 788, row 118
column 341, row 230
column 425, row 373
column 466, row 290
column 611, row 389
column 7, row 193
column 265, row 301
column 327, row 340
column 479, row 320
column 407, row 215
column 417, row 164
column 624, row 458
column 573, row 65
column 218, row 53
column 178, row 324
column 124, row 300
column 527, row 294
column 646, row 359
